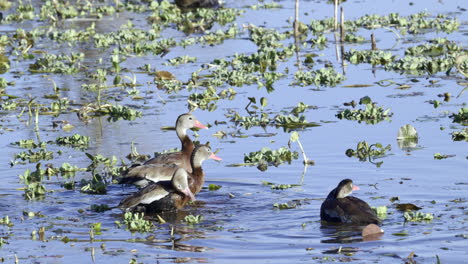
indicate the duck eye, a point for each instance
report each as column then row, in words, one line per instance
column 190, row 118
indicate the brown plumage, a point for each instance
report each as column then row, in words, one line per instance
column 161, row 196
column 144, row 174
column 181, row 158
column 168, row 162
column 342, row 208
column 197, row 3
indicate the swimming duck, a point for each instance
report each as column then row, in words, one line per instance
column 342, row 208
column 162, row 196
column 197, row 3
column 181, row 158
column 144, row 174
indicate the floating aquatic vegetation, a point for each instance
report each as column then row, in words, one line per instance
column 422, row 65
column 52, row 63
column 418, row 217
column 407, row 137
column 193, row 219
column 436, row 47
column 270, row 5
column 266, row 157
column 76, row 140
column 413, row 24
column 135, row 222
column 97, row 185
column 461, row 135
column 34, row 191
column 442, row 156
column 275, row 186
column 283, row 206
column 319, row 42
column 461, row 117
column 29, row 144
column 353, row 38
column 34, row 156
column 209, row 97
column 23, row 12
column 374, row 57
column 323, row 77
column 365, row 152
column 318, row 27
column 181, row 60
column 115, row 112
column 214, row 187
column 6, row 221
column 54, row 10
column 373, row 114
column 380, row 211
column 262, row 119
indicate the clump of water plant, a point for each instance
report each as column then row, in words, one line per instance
column 418, row 216
column 275, row 186
column 380, row 211
column 372, row 114
column 193, row 219
column 34, row 156
column 52, row 63
column 374, row 57
column 461, row 117
column 266, row 157
column 76, row 140
column 29, row 144
column 136, row 222
column 407, row 137
column 282, row 206
column 323, row 77
column 461, row 135
column 6, row 221
column 440, row 156
column 366, row 152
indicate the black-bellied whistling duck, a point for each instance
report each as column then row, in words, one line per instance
column 144, row 174
column 197, row 3
column 341, row 208
column 161, row 196
column 181, row 158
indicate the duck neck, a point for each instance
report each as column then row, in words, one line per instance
column 197, row 175
column 187, row 144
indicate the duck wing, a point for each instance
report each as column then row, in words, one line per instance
column 349, row 210
column 141, row 175
column 179, row 159
column 151, row 193
column 358, row 212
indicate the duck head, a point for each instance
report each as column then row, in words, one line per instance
column 180, row 183
column 202, row 153
column 187, row 121
column 344, row 188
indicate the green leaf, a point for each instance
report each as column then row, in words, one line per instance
column 263, row 102
column 407, row 132
column 294, row 136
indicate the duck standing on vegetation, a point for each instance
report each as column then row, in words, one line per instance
column 145, row 174
column 339, row 207
column 161, row 196
column 197, row 3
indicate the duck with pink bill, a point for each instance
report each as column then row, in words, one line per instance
column 145, row 174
